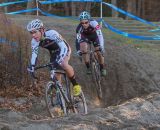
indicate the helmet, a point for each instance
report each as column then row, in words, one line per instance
column 35, row 24
column 84, row 16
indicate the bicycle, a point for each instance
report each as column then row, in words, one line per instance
column 95, row 69
column 58, row 95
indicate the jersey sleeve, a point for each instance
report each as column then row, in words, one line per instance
column 78, row 38
column 34, row 48
column 99, row 33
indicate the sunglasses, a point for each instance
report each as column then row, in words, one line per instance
column 33, row 32
column 84, row 22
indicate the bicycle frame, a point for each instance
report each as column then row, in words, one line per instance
column 68, row 103
column 66, row 96
column 55, row 80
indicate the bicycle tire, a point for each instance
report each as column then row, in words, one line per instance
column 54, row 100
column 80, row 104
column 96, row 75
column 66, row 92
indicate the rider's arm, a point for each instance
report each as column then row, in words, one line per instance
column 35, row 48
column 99, row 33
column 78, row 37
column 57, row 38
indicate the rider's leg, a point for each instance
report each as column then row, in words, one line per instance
column 70, row 73
column 100, row 60
column 83, row 49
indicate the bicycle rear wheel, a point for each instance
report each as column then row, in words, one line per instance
column 97, row 77
column 55, row 102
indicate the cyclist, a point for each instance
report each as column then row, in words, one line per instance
column 89, row 31
column 59, row 50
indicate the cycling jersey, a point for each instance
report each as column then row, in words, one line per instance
column 92, row 33
column 52, row 41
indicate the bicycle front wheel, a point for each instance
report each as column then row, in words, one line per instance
column 54, row 100
column 97, row 78
column 80, row 104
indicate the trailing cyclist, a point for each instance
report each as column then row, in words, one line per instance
column 59, row 50
column 89, row 31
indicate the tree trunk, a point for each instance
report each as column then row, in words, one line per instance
column 66, row 8
column 143, row 9
column 88, row 6
column 49, row 7
column 6, row 7
column 131, row 7
column 1, row 8
column 139, row 8
column 114, row 13
column 79, row 8
column 31, row 4
column 73, row 6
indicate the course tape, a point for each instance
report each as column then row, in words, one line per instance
column 129, row 14
column 155, row 30
column 128, row 34
column 23, row 11
column 16, row 2
column 155, row 37
column 52, row 15
column 5, row 41
column 59, row 1
column 44, row 13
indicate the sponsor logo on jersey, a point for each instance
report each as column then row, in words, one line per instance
column 98, row 27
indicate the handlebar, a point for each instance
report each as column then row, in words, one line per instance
column 39, row 67
column 43, row 66
column 60, row 71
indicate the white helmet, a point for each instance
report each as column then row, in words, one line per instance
column 35, row 24
column 84, row 16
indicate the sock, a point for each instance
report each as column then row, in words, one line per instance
column 87, row 65
column 101, row 66
column 73, row 80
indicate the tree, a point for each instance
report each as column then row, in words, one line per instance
column 73, row 5
column 131, row 7
column 30, row 5
column 114, row 13
column 66, row 8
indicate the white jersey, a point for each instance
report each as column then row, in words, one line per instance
column 52, row 41
column 93, row 32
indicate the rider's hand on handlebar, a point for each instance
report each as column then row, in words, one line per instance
column 79, row 53
column 102, row 50
column 31, row 68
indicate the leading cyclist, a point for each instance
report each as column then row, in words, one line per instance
column 89, row 31
column 59, row 49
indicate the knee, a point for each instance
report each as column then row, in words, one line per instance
column 83, row 46
column 65, row 65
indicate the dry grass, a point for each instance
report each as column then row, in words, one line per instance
column 14, row 54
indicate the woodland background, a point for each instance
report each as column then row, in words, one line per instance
column 146, row 9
